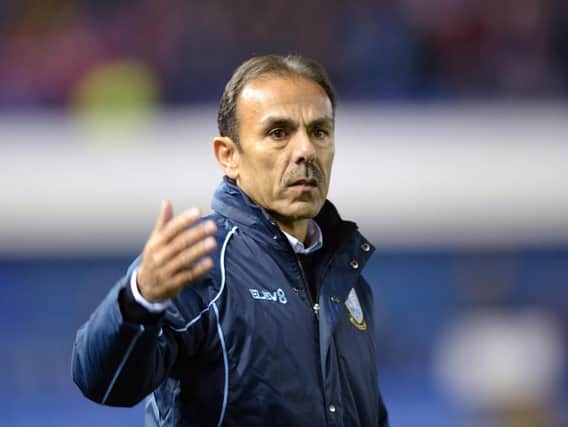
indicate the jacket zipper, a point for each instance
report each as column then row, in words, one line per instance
column 315, row 305
column 315, row 309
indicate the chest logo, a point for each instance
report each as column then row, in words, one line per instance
column 277, row 296
column 355, row 311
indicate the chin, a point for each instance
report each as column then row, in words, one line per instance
column 302, row 210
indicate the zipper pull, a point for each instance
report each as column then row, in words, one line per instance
column 316, row 309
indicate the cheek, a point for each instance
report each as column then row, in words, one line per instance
column 264, row 175
column 274, row 169
column 327, row 161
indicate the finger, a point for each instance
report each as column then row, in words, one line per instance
column 188, row 257
column 179, row 224
column 185, row 240
column 188, row 276
column 166, row 212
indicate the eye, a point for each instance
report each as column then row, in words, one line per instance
column 277, row 134
column 320, row 133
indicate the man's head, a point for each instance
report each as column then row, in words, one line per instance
column 276, row 121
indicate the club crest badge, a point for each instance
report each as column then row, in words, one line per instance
column 355, row 311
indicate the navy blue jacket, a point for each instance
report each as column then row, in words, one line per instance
column 246, row 345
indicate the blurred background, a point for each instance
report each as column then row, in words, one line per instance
column 452, row 145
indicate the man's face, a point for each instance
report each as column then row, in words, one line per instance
column 286, row 131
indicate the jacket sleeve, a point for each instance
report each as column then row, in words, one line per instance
column 118, row 362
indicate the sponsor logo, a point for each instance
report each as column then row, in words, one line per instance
column 277, row 296
column 355, row 311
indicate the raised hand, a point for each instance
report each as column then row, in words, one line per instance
column 175, row 254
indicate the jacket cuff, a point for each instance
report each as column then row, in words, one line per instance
column 152, row 307
column 132, row 311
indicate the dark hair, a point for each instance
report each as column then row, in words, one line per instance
column 291, row 65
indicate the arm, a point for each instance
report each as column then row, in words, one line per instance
column 116, row 360
column 122, row 353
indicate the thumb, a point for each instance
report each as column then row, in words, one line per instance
column 166, row 213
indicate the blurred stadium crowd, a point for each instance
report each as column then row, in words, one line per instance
column 382, row 49
column 470, row 336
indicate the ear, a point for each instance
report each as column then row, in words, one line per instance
column 228, row 155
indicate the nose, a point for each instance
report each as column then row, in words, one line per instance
column 304, row 149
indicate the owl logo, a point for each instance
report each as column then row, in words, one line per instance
column 355, row 311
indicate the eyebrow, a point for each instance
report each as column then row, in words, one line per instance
column 322, row 121
column 284, row 121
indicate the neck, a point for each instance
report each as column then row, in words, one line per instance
column 298, row 228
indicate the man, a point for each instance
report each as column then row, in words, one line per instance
column 258, row 315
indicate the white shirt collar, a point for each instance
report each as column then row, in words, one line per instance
column 314, row 235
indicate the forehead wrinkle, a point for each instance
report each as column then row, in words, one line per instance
column 260, row 89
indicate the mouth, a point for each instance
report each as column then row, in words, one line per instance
column 306, row 184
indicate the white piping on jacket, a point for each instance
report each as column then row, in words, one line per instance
column 225, row 364
column 222, row 287
column 139, row 332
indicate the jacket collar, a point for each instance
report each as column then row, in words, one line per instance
column 231, row 202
